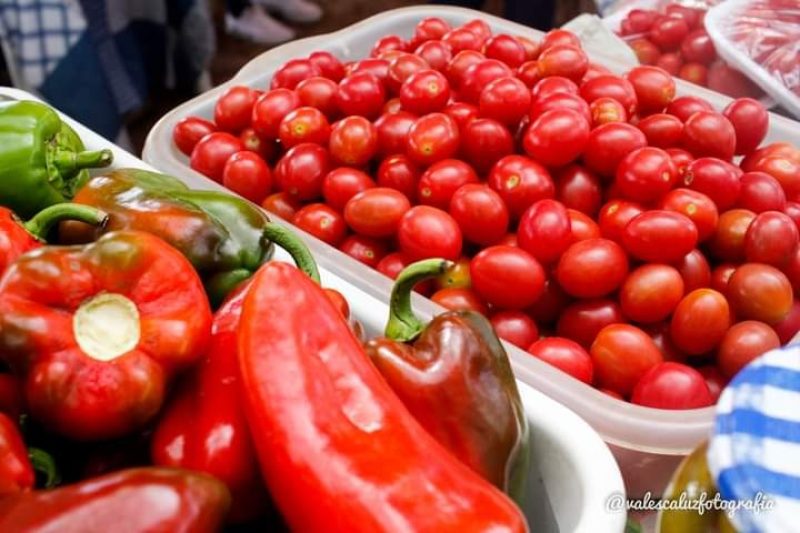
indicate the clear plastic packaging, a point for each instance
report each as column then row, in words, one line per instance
column 761, row 38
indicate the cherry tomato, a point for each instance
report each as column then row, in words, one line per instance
column 367, row 250
column 426, row 232
column 714, row 379
column 436, row 53
column 304, row 124
column 694, row 270
column 505, row 48
column 301, row 171
column 696, row 206
column 234, row 108
column 400, row 173
column 461, row 39
column 609, row 144
column 744, row 342
column 717, row 179
column 578, row 188
column 727, row 244
column 622, row 354
column 724, row 79
column 668, row 32
column 781, row 150
column 460, row 300
column 789, row 326
column 319, row 93
column 462, row 113
column 772, row 238
column 592, row 268
column 212, row 152
column 670, row 62
column 343, row 183
column 484, row 142
column 456, row 276
column 610, row 86
column 552, row 85
column 760, row 292
column 270, row 108
column 528, row 73
column 646, row 174
column 786, row 171
column 515, row 327
column 582, row 227
column 188, row 132
column 253, row 143
column 671, row 385
column 684, row 107
column 392, row 264
column 650, row 293
column 548, row 308
column 458, row 66
column 750, row 120
column 532, row 48
column 480, row 28
column 694, row 73
column 480, row 213
column 692, row 16
column 662, row 130
column 641, row 20
column 392, row 130
column 563, row 60
column 360, row 93
column 615, row 215
column 281, row 204
column 544, row 230
column 761, row 192
column 557, row 137
column 380, row 68
column 520, row 182
column 659, row 236
column 700, row 321
column 559, row 37
column 698, row 47
column 681, row 158
column 659, row 332
column 430, row 28
column 441, row 180
column 322, row 222
column 432, row 138
column 605, row 110
column 708, row 133
column 721, row 276
column 479, row 75
column 353, row 141
column 293, row 72
column 565, row 355
column 507, row 277
column 248, row 175
column 329, row 66
column 560, row 100
column 646, row 52
column 386, row 43
column 425, row 91
column 376, row 212
column 583, row 320
column 506, row 100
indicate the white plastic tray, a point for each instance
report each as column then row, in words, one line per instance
column 573, row 473
column 648, row 443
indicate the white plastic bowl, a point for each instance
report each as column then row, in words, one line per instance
column 648, row 443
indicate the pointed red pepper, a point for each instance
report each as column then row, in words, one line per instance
column 16, row 472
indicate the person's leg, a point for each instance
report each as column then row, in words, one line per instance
column 537, row 14
column 298, row 11
column 248, row 21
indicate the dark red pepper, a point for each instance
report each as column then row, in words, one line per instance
column 16, row 471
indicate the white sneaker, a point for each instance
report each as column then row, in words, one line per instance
column 300, row 11
column 255, row 25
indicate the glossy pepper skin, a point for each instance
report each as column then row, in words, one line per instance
column 17, row 237
column 204, row 427
column 42, row 160
column 455, row 378
column 95, row 332
column 138, row 499
column 225, row 237
column 337, row 449
column 16, row 472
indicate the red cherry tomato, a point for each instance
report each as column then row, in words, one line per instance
column 760, row 292
column 670, row 62
column 505, row 48
column 430, row 28
column 248, row 175
column 662, row 130
column 392, row 130
column 528, row 73
column 583, row 320
column 610, row 86
column 563, row 60
column 436, row 53
column 507, row 277
column 772, row 238
column 480, row 213
column 361, row 93
column 694, row 73
column 319, row 93
column 671, row 385
column 646, row 52
column 353, row 141
column 253, row 143
column 506, row 100
column 322, row 222
column 714, row 379
column 442, row 179
column 578, row 188
column 329, row 66
column 520, row 182
column 566, row 356
column 343, row 183
column 458, row 66
column 653, row 86
column 386, row 43
column 622, row 354
column 761, row 192
column 367, row 250
column 641, row 20
column 650, row 293
column 302, row 170
column 188, row 132
column 550, row 304
column 592, row 268
column 400, row 173
column 786, row 171
column 682, row 158
column 727, row 243
column 744, row 342
column 750, row 120
column 700, row 321
column 707, row 133
column 724, row 79
column 234, row 108
column 462, row 113
column 660, row 236
column 696, row 206
column 615, row 215
column 392, row 264
column 717, row 179
column 720, row 277
column 212, row 152
column 432, row 138
column 380, row 68
column 609, row 144
column 695, row 271
column 692, row 16
column 560, row 100
column 684, row 107
column 532, row 48
column 479, row 75
column 515, row 327
column 552, row 85
column 484, row 142
column 557, row 137
column 425, row 91
column 376, row 212
column 646, row 174
column 605, row 110
column 461, row 39
column 780, row 150
column 559, row 37
column 460, row 300
column 544, row 231
column 304, row 124
column 789, row 326
column 582, row 226
column 270, row 108
column 668, row 32
column 293, row 72
column 281, row 204
column 426, row 232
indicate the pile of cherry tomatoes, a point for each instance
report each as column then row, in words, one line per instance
column 598, row 220
column 676, row 40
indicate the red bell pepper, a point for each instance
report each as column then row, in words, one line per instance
column 337, row 449
column 10, row 396
column 16, row 472
column 95, row 332
column 136, row 500
column 17, row 237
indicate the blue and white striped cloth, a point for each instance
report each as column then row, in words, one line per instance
column 755, row 448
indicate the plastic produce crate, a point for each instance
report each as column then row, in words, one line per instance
column 573, row 473
column 648, row 443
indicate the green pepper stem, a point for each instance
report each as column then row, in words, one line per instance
column 41, row 224
column 67, row 161
column 403, row 325
column 290, row 242
column 43, row 462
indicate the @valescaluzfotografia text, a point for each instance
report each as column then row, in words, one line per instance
column 700, row 503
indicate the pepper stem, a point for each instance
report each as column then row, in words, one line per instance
column 43, row 462
column 67, row 161
column 403, row 325
column 290, row 242
column 41, row 224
